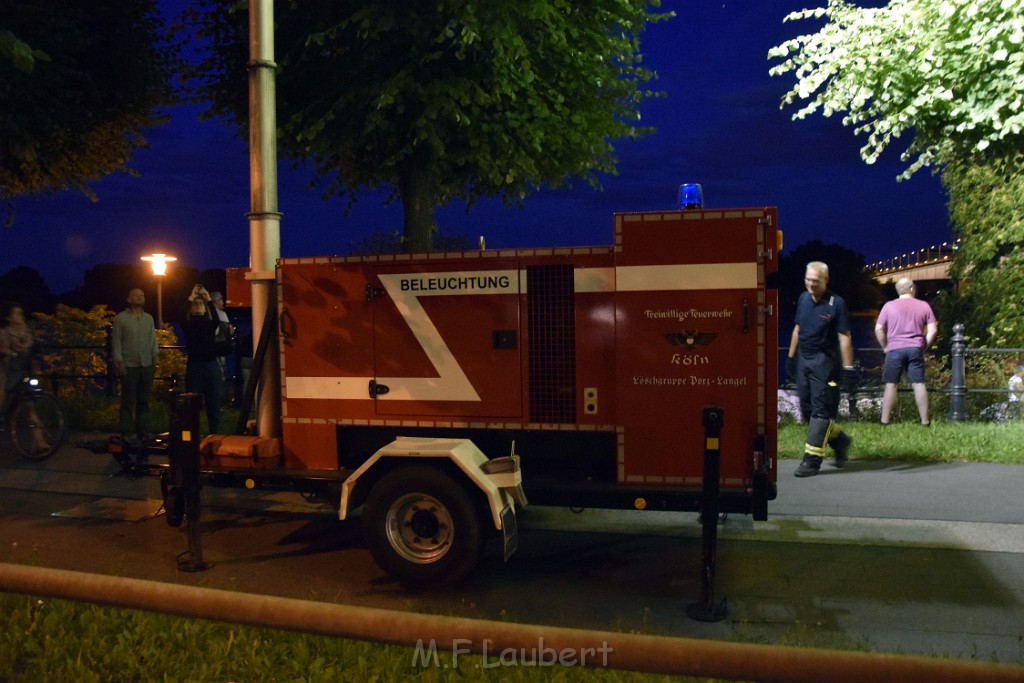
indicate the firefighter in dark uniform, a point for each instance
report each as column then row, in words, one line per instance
column 821, row 339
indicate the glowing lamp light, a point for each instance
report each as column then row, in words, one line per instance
column 159, row 262
column 691, row 196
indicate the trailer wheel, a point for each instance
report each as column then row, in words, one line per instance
column 422, row 527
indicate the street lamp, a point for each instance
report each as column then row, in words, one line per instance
column 159, row 263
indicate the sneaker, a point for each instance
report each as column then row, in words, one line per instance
column 841, row 445
column 808, row 467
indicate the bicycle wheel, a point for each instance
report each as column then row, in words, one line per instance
column 35, row 425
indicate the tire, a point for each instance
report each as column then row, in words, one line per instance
column 35, row 425
column 422, row 527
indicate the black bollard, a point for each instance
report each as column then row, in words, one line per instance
column 706, row 609
column 182, row 484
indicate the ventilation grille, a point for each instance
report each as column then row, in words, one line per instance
column 551, row 320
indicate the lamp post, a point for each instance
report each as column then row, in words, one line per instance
column 159, row 263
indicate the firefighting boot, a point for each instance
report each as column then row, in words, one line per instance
column 808, row 467
column 814, row 448
column 841, row 445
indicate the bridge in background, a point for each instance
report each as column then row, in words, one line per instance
column 931, row 263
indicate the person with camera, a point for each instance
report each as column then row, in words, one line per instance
column 203, row 374
column 821, row 339
column 226, row 331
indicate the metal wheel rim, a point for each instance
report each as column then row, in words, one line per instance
column 36, row 427
column 408, row 522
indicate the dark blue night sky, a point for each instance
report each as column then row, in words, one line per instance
column 719, row 125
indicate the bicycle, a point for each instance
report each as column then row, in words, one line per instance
column 33, row 422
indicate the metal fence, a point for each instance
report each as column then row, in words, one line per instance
column 970, row 384
column 962, row 386
column 54, row 368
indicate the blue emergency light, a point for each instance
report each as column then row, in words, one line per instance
column 691, row 196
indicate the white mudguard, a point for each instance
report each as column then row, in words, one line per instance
column 500, row 479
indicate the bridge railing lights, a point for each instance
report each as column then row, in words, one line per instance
column 911, row 259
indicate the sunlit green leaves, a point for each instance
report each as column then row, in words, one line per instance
column 951, row 73
column 948, row 78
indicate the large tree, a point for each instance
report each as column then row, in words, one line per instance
column 948, row 75
column 986, row 203
column 79, row 83
column 441, row 100
column 26, row 286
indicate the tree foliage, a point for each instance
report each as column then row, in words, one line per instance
column 440, row 100
column 986, row 203
column 74, row 344
column 20, row 54
column 79, row 83
column 27, row 287
column 75, row 350
column 949, row 72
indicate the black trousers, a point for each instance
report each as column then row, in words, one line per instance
column 818, row 387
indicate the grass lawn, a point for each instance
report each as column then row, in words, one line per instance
column 942, row 442
column 58, row 640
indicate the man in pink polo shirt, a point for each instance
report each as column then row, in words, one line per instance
column 905, row 328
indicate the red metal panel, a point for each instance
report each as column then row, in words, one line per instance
column 238, row 292
column 677, row 353
column 672, row 319
column 447, row 341
column 310, row 445
column 326, row 341
column 691, row 333
column 713, row 236
column 595, row 354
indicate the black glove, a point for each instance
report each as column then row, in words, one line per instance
column 848, row 380
column 791, row 369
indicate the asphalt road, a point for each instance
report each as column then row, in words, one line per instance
column 884, row 557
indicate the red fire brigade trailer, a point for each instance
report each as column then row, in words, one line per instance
column 442, row 391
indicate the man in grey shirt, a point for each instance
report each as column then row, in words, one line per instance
column 134, row 350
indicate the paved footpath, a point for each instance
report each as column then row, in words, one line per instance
column 896, row 557
column 906, row 558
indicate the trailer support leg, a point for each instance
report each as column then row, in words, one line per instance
column 707, row 609
column 183, row 488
